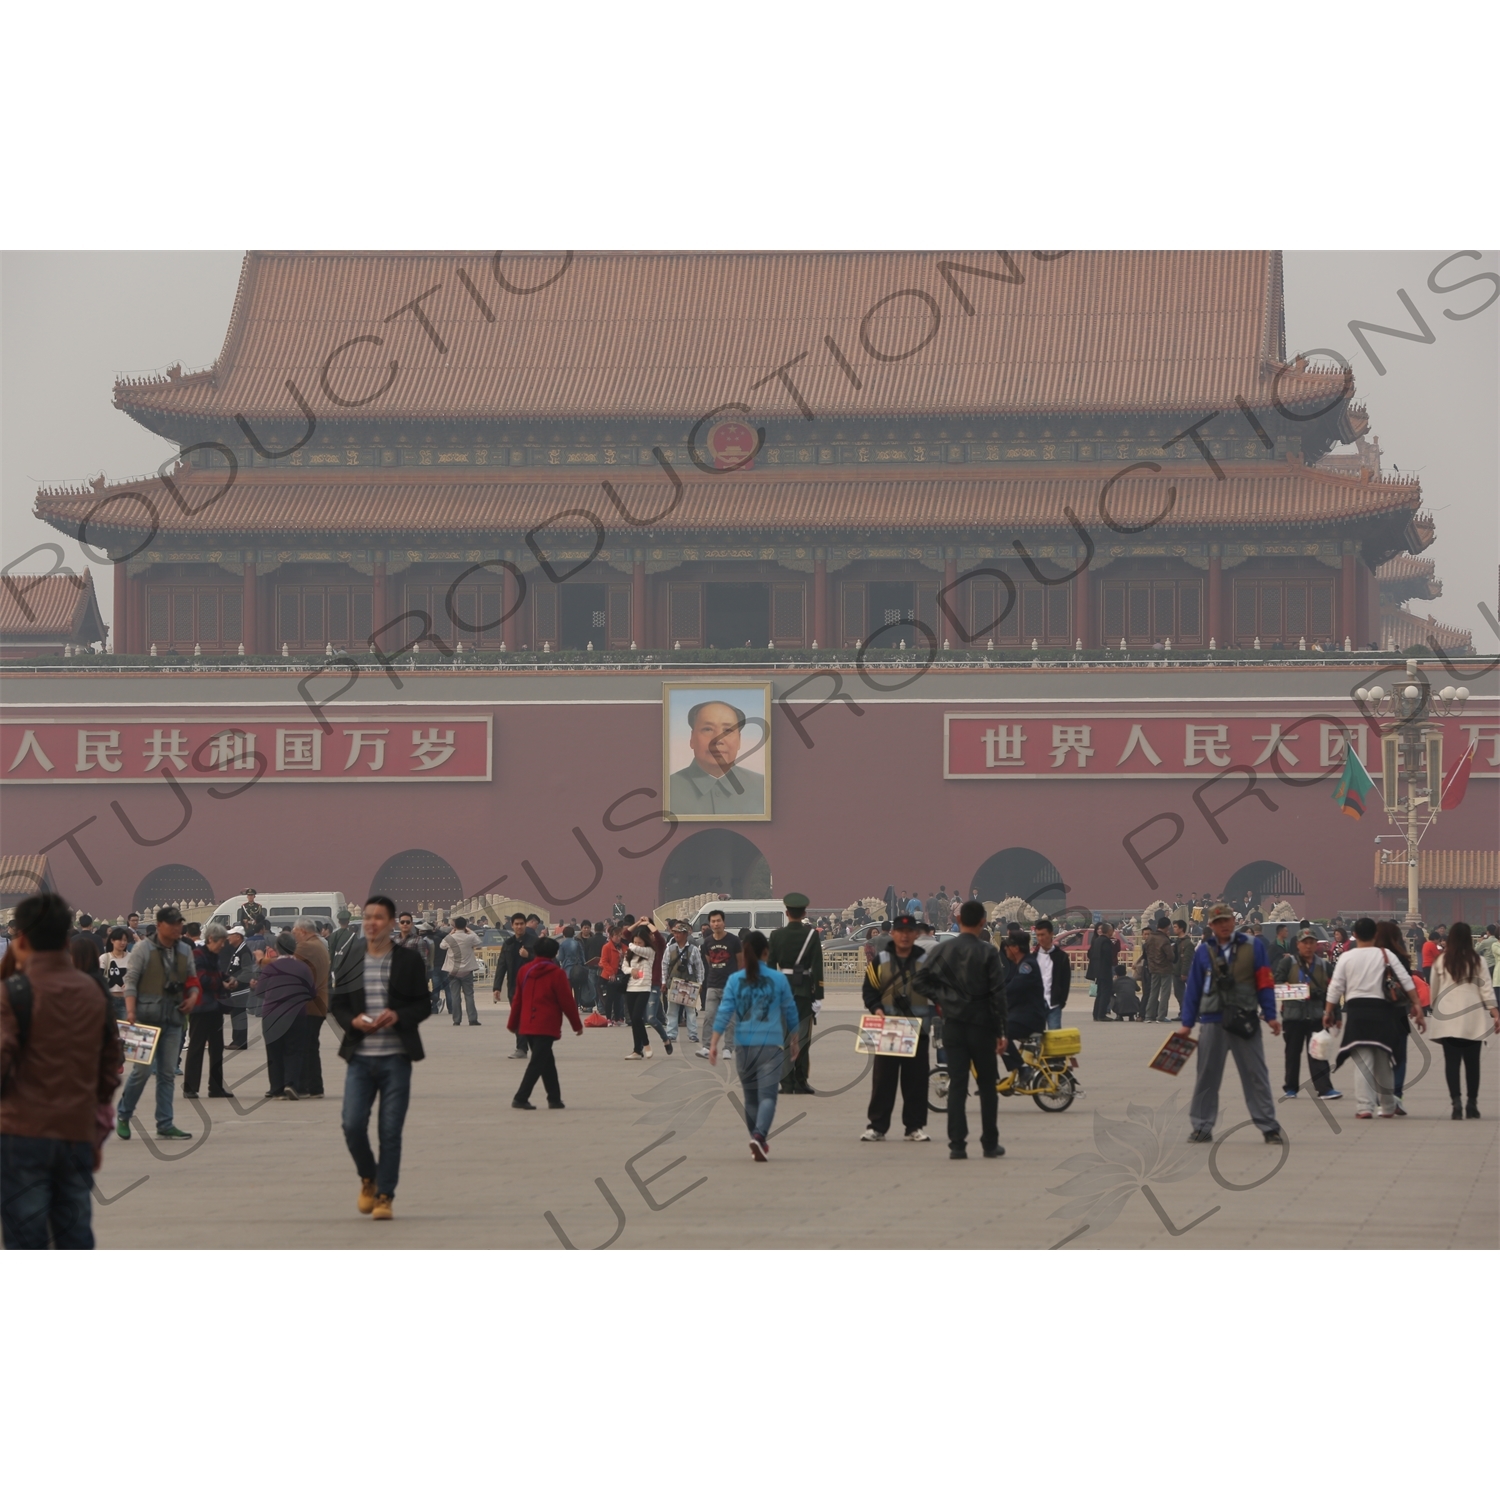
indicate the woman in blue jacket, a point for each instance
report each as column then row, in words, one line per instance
column 759, row 1001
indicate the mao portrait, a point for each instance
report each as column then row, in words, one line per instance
column 716, row 753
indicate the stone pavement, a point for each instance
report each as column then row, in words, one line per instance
column 653, row 1155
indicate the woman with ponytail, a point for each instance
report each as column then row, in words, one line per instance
column 758, row 1000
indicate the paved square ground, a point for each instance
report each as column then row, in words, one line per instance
column 653, row 1155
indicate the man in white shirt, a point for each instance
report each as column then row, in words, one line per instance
column 1055, row 969
column 460, row 961
column 1373, row 1023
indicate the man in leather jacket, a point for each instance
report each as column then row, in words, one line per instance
column 964, row 977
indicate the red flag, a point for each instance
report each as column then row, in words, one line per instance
column 1456, row 783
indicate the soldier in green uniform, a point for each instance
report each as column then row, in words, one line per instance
column 797, row 951
column 251, row 913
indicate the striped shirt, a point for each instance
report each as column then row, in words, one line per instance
column 384, row 1043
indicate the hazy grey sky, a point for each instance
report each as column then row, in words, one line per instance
column 70, row 321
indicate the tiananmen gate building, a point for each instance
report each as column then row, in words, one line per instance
column 1039, row 517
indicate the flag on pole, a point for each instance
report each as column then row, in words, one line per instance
column 1354, row 786
column 1456, row 783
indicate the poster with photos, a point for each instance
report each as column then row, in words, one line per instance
column 888, row 1036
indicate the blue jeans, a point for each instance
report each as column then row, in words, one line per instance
column 1054, row 1018
column 164, row 1065
column 390, row 1078
column 760, row 1078
column 44, row 1193
column 676, row 1015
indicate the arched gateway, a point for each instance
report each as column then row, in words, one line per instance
column 1024, row 873
column 717, row 859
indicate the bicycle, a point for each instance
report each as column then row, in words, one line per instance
column 1051, row 1085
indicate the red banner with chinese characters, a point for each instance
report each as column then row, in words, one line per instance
column 1111, row 746
column 240, row 747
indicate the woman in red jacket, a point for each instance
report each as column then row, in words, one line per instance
column 542, row 998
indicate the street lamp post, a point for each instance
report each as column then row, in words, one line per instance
column 1412, row 760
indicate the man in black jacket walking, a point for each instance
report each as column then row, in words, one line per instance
column 964, row 977
column 1103, row 952
column 378, row 996
column 515, row 953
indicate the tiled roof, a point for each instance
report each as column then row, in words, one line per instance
column 1399, row 630
column 1445, row 870
column 52, row 607
column 1407, row 577
column 283, row 501
column 1406, row 566
column 673, row 334
column 23, row 875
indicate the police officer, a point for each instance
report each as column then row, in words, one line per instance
column 888, row 991
column 251, row 913
column 797, row 951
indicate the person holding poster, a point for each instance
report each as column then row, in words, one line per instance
column 888, row 992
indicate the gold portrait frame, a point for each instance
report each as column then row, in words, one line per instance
column 673, row 695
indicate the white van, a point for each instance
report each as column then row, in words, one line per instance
column 282, row 906
column 756, row 913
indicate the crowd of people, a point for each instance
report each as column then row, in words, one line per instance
column 977, row 993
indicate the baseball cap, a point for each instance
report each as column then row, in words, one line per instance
column 237, row 928
column 1219, row 909
column 905, row 922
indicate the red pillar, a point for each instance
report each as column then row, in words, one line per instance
column 249, row 632
column 140, row 620
column 117, row 630
column 1216, row 599
column 1348, row 600
column 820, row 598
column 638, row 601
column 950, row 596
column 1082, row 626
column 510, row 592
column 379, row 600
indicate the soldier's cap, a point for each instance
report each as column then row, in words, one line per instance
column 904, row 923
column 795, row 901
column 1219, row 909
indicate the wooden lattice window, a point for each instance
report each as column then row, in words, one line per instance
column 1146, row 613
column 1283, row 613
column 546, row 615
column 619, row 616
column 788, row 603
column 853, row 613
column 686, row 609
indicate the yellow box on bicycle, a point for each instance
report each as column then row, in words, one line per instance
column 1065, row 1042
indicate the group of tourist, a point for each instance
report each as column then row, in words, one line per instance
column 747, row 996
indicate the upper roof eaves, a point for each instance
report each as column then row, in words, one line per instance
column 670, row 335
